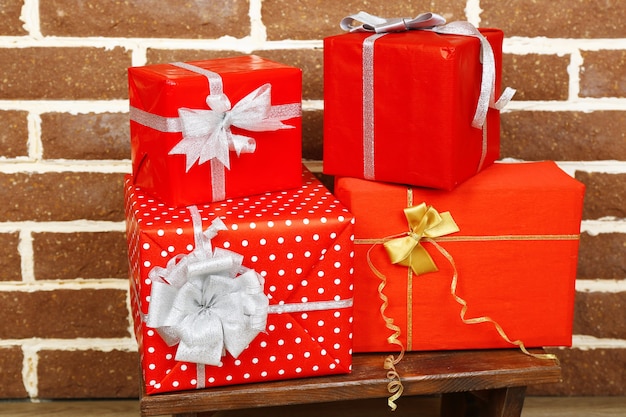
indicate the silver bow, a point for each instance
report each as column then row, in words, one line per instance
column 206, row 301
column 207, row 134
column 436, row 23
column 371, row 23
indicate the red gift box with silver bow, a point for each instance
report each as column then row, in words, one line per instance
column 412, row 101
column 244, row 290
column 209, row 130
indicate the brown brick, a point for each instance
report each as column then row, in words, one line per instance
column 64, row 314
column 601, row 314
column 80, row 255
column 310, row 61
column 14, row 134
column 556, row 18
column 10, row 260
column 11, row 385
column 160, row 56
column 603, row 74
column 536, row 77
column 10, row 23
column 88, row 374
column 593, row 372
column 59, row 73
column 312, row 134
column 85, row 136
column 604, row 196
column 564, row 136
column 145, row 19
column 62, row 196
column 602, row 256
column 306, row 19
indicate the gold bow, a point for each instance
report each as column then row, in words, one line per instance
column 424, row 222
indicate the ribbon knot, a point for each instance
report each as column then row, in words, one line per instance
column 207, row 134
column 424, row 222
column 206, row 301
column 436, row 23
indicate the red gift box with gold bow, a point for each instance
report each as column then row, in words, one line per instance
column 245, row 290
column 413, row 106
column 209, row 130
column 491, row 264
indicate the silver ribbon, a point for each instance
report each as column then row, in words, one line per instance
column 206, row 301
column 429, row 22
column 207, row 135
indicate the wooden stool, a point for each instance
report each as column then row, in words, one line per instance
column 484, row 383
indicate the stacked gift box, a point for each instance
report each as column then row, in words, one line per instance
column 453, row 251
column 245, row 268
column 241, row 260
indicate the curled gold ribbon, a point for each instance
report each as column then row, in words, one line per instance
column 427, row 225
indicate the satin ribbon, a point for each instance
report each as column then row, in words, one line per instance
column 426, row 224
column 424, row 221
column 207, row 134
column 428, row 22
column 206, row 301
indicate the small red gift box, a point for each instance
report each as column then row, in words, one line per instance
column 513, row 260
column 209, row 130
column 299, row 246
column 404, row 107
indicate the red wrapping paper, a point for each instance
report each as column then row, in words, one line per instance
column 300, row 241
column 426, row 87
column 162, row 89
column 515, row 253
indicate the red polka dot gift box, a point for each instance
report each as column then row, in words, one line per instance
column 244, row 290
column 209, row 130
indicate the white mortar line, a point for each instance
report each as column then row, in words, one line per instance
column 35, row 147
column 13, row 166
column 585, row 342
column 34, row 345
column 575, row 104
column 30, row 362
column 601, row 285
column 65, row 284
column 573, row 69
column 559, row 46
column 25, row 249
column 596, row 227
column 258, row 32
column 606, row 167
column 473, row 11
column 30, row 16
column 71, row 226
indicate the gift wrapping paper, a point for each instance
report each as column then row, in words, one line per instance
column 400, row 107
column 300, row 242
column 206, row 131
column 512, row 259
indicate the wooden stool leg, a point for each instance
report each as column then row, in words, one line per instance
column 504, row 402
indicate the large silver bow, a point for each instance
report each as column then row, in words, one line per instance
column 436, row 23
column 207, row 302
column 207, row 134
column 371, row 23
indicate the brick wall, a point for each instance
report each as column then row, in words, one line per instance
column 64, row 148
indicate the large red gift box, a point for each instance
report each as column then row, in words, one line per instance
column 403, row 112
column 248, row 143
column 512, row 262
column 299, row 242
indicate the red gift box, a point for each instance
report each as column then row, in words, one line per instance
column 249, row 143
column 513, row 260
column 403, row 112
column 300, row 243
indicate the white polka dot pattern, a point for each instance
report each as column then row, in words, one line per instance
column 300, row 241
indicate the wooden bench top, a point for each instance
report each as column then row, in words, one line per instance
column 422, row 373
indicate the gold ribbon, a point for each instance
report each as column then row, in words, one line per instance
column 426, row 224
column 424, row 221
